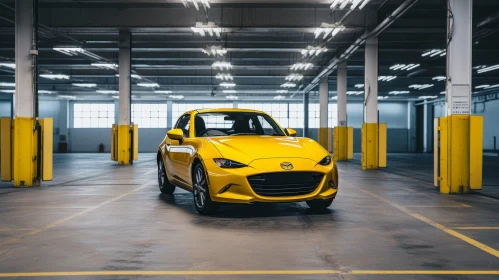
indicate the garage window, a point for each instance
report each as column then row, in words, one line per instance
column 93, row 115
column 149, row 115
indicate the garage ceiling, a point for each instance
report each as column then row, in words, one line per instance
column 263, row 39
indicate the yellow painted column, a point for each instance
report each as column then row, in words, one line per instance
column 459, row 133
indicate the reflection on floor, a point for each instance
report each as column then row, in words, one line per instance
column 100, row 218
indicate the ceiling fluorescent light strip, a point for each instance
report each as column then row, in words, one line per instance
column 487, row 69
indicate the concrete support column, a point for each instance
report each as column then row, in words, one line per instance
column 124, row 135
column 169, row 108
column 372, row 139
column 371, row 81
column 343, row 136
column 323, row 113
column 125, row 68
column 461, row 135
column 24, row 96
column 63, row 124
column 305, row 114
column 342, row 93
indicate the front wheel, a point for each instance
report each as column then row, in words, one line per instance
column 201, row 192
column 164, row 185
column 319, row 204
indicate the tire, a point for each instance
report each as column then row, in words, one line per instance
column 164, row 185
column 319, row 204
column 201, row 192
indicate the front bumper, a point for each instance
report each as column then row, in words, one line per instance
column 240, row 191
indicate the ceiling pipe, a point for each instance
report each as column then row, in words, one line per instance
column 404, row 7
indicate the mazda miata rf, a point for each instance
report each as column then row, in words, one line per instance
column 243, row 156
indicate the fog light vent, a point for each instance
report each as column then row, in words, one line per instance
column 331, row 184
column 224, row 189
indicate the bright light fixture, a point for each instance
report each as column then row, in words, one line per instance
column 8, row 90
column 149, row 85
column 439, row 78
column 434, row 52
column 342, row 4
column 288, row 85
column 222, row 65
column 294, row 77
column 327, row 29
column 176, row 96
column 487, row 86
column 8, row 65
column 105, row 91
column 135, row 76
column 197, row 3
column 443, row 92
column 224, row 77
column 67, row 96
column 231, row 97
column 210, row 28
column 420, row 87
column 227, row 85
column 404, row 66
column 229, row 91
column 281, row 91
column 72, row 51
column 487, row 69
column 382, row 97
column 396, row 92
column 334, row 97
column 2, row 84
column 163, row 91
column 45, row 91
column 301, row 66
column 311, row 51
column 105, row 65
column 214, row 50
column 386, row 78
column 359, row 85
column 279, row 97
column 84, row 85
column 355, row 92
column 427, row 97
column 55, row 76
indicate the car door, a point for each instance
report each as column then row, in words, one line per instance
column 175, row 151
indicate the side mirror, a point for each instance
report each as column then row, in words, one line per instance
column 175, row 134
column 291, row 132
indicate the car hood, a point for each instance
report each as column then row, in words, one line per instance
column 245, row 149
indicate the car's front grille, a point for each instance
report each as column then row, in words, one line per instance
column 285, row 183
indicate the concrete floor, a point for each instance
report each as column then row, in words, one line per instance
column 97, row 218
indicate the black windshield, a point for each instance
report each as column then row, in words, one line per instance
column 235, row 123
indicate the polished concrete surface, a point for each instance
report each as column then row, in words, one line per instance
column 98, row 218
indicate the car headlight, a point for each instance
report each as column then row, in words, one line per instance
column 226, row 163
column 325, row 161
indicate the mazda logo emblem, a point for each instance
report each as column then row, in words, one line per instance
column 286, row 165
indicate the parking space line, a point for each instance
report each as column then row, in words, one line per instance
column 443, row 228
column 15, row 229
column 477, row 228
column 438, row 206
column 248, row 272
column 63, row 220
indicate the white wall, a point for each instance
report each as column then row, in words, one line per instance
column 490, row 112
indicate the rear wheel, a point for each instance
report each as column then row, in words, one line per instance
column 319, row 204
column 164, row 185
column 201, row 192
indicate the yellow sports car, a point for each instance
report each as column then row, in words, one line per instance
column 243, row 156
